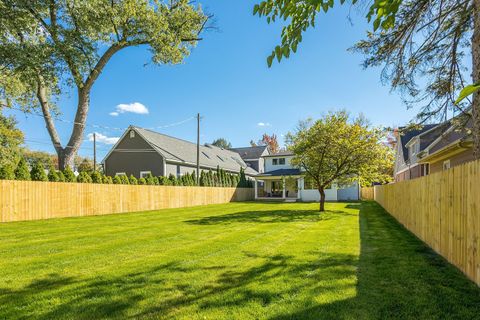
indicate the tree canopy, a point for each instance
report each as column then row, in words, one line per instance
column 267, row 140
column 423, row 46
column 337, row 149
column 50, row 47
column 222, row 143
column 10, row 140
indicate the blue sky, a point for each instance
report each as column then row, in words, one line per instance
column 226, row 79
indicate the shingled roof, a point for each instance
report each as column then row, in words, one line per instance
column 250, row 153
column 182, row 151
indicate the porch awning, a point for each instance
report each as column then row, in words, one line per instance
column 280, row 173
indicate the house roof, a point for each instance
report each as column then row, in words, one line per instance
column 407, row 135
column 250, row 152
column 281, row 172
column 185, row 152
column 281, row 153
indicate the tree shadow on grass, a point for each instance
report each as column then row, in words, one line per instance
column 398, row 277
column 270, row 216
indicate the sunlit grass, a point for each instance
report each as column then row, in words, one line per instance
column 232, row 261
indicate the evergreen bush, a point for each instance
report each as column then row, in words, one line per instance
column 156, row 182
column 61, row 177
column 124, row 179
column 96, row 177
column 22, row 172
column 173, row 180
column 142, row 181
column 117, row 180
column 84, row 177
column 133, row 180
column 7, row 172
column 38, row 172
column 107, row 180
column 53, row 175
column 69, row 175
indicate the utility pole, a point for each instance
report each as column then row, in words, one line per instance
column 198, row 149
column 94, row 152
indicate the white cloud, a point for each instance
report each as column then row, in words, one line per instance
column 103, row 138
column 135, row 107
column 263, row 124
column 114, row 114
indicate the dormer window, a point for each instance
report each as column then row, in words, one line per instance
column 132, row 134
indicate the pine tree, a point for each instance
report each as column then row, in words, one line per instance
column 142, row 181
column 84, row 177
column 52, row 174
column 96, row 177
column 61, row 177
column 156, row 182
column 22, row 172
column 69, row 175
column 7, row 172
column 149, row 179
column 124, row 179
column 172, row 179
column 38, row 172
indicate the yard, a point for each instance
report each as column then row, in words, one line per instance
column 232, row 261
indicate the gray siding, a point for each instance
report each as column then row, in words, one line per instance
column 134, row 162
column 133, row 155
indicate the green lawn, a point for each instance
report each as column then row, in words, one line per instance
column 232, row 261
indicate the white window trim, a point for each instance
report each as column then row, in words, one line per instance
column 120, row 174
column 143, row 174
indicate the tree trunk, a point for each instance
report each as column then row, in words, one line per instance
column 476, row 78
column 322, row 199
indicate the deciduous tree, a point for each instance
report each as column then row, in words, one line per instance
column 337, row 149
column 48, row 48
column 222, row 143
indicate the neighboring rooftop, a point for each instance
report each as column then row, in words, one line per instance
column 178, row 150
column 280, row 172
column 281, row 153
column 407, row 135
column 250, row 153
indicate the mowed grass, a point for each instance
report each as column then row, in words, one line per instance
column 232, row 261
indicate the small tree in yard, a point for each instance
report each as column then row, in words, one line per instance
column 61, row 177
column 96, row 177
column 7, row 173
column 107, row 180
column 142, row 181
column 133, row 180
column 117, row 180
column 336, row 149
column 21, row 172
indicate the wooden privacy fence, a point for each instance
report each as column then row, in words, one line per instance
column 442, row 209
column 30, row 200
column 367, row 193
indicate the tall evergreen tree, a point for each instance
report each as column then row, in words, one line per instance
column 22, row 172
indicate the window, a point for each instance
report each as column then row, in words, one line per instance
column 179, row 173
column 144, row 174
column 278, row 161
column 132, row 134
column 120, row 174
column 446, row 164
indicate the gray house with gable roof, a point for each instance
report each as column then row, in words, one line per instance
column 140, row 152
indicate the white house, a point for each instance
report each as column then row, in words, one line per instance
column 280, row 180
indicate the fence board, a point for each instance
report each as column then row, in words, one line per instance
column 442, row 209
column 367, row 193
column 31, row 200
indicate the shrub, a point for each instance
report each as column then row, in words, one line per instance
column 163, row 181
column 7, row 172
column 84, row 177
column 142, row 181
column 150, row 180
column 69, row 175
column 117, row 180
column 96, row 177
column 21, row 172
column 155, row 181
column 61, row 177
column 124, row 179
column 173, row 180
column 38, row 172
column 107, row 180
column 133, row 180
column 53, row 175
